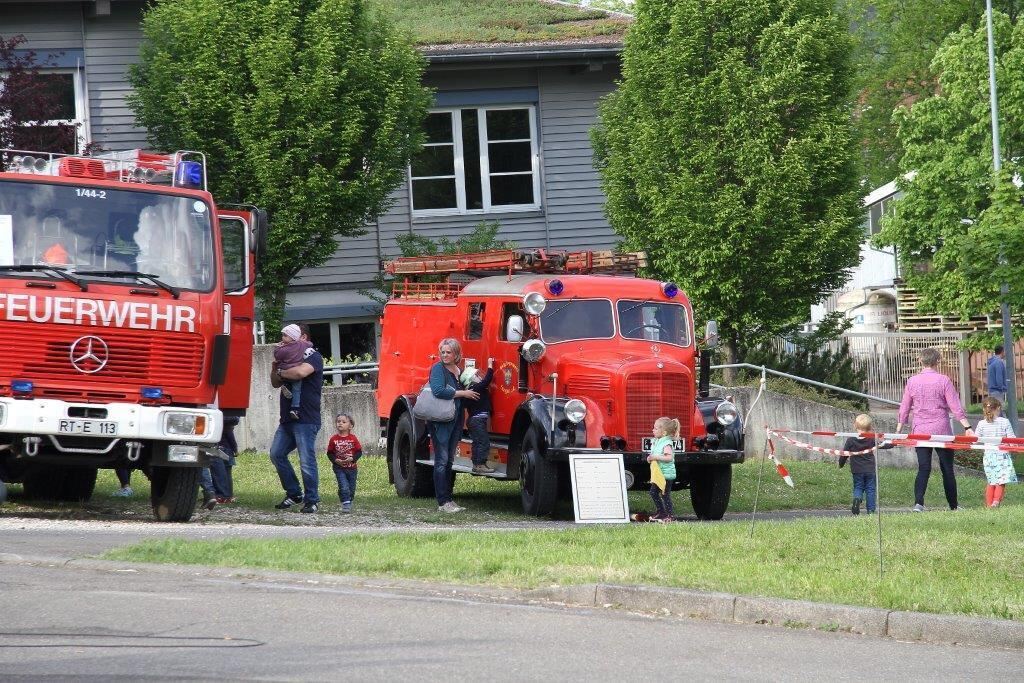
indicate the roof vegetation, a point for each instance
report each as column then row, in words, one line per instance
column 460, row 22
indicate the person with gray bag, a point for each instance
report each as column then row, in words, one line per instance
column 443, row 388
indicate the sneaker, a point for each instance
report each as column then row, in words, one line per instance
column 209, row 500
column 224, row 500
column 286, row 392
column 294, row 415
column 310, row 508
column 483, row 469
column 855, row 508
column 450, row 506
column 288, row 502
column 346, row 507
column 125, row 492
column 918, row 508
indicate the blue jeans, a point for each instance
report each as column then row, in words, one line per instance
column 296, row 389
column 346, row 483
column 481, row 439
column 865, row 484
column 206, row 482
column 221, row 474
column 444, row 458
column 289, row 437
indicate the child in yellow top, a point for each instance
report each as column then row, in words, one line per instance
column 663, row 455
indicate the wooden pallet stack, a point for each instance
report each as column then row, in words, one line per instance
column 909, row 319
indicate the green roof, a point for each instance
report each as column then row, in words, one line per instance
column 474, row 22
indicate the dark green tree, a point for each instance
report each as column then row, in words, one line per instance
column 309, row 108
column 957, row 228
column 896, row 41
column 727, row 155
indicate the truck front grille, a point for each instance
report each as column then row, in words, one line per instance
column 650, row 395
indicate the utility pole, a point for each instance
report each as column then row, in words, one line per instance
column 1011, row 379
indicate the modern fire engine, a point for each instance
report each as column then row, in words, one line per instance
column 126, row 313
column 586, row 356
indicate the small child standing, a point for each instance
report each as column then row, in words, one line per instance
column 344, row 451
column 998, row 465
column 291, row 351
column 479, row 412
column 862, row 467
column 663, row 452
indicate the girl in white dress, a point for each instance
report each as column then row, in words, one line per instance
column 998, row 465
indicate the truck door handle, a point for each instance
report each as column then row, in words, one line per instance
column 241, row 319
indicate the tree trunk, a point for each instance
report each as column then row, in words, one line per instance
column 731, row 357
column 272, row 309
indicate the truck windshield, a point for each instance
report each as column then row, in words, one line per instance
column 654, row 321
column 119, row 232
column 577, row 319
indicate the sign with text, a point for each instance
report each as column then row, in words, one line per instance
column 599, row 488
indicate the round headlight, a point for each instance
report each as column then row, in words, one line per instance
column 575, row 410
column 726, row 413
column 533, row 350
column 535, row 303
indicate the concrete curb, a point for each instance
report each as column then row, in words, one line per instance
column 711, row 606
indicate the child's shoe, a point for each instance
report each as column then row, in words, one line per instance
column 346, row 507
column 286, row 392
column 124, row 492
column 294, row 415
column 855, row 508
column 482, row 469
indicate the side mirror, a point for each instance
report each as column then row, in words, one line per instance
column 711, row 335
column 514, row 327
column 260, row 229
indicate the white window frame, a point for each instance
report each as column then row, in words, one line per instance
column 81, row 105
column 485, row 174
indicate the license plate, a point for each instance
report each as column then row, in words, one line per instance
column 678, row 444
column 88, row 427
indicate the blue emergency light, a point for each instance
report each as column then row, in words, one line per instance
column 188, row 174
column 555, row 287
column 152, row 393
column 670, row 289
column 21, row 386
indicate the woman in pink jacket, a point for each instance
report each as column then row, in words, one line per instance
column 932, row 397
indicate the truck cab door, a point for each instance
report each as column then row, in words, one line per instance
column 238, row 248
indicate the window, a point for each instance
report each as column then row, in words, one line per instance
column 878, row 211
column 477, row 160
column 64, row 131
column 475, row 324
column 235, row 253
column 577, row 319
column 654, row 321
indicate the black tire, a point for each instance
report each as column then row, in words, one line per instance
column 641, row 479
column 173, row 493
column 538, row 476
column 44, row 482
column 78, row 484
column 710, row 488
column 412, row 480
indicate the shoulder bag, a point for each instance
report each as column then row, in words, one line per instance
column 431, row 408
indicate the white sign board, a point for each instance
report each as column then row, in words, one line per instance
column 599, row 488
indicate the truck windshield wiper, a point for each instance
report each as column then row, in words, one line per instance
column 645, row 301
column 558, row 310
column 155, row 279
column 40, row 268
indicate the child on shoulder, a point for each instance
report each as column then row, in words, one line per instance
column 344, row 451
column 998, row 465
column 862, row 467
column 479, row 411
column 291, row 351
column 663, row 452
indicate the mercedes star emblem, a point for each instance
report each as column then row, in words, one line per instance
column 89, row 354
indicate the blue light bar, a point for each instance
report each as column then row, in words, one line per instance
column 188, row 174
column 670, row 289
column 555, row 287
column 152, row 393
column 21, row 386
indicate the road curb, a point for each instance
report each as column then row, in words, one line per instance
column 711, row 606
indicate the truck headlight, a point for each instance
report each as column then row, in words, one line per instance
column 534, row 303
column 189, row 424
column 726, row 413
column 533, row 350
column 575, row 410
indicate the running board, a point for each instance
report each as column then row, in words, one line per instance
column 465, row 466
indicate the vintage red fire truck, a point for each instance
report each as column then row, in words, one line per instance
column 586, row 357
column 126, row 313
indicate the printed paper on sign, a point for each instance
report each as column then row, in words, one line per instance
column 6, row 240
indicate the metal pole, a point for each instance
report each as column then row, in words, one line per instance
column 1004, row 306
column 878, row 509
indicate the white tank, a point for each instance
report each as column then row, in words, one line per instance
column 873, row 311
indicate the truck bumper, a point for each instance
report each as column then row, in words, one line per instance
column 633, row 459
column 125, row 421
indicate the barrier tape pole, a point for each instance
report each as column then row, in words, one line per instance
column 878, row 511
column 757, row 491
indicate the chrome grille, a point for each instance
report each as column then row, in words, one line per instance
column 650, row 395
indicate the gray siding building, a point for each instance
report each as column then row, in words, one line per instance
column 508, row 141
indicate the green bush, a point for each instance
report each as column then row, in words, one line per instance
column 821, row 365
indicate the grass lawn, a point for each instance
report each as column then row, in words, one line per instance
column 819, row 486
column 965, row 562
column 441, row 22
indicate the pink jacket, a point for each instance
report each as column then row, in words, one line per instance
column 932, row 397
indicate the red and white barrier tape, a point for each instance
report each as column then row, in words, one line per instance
column 779, row 467
column 961, row 442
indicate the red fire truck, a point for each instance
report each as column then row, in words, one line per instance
column 586, row 355
column 126, row 313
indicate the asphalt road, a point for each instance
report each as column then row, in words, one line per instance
column 86, row 622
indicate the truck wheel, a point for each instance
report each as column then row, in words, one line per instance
column 411, row 479
column 44, row 482
column 710, row 488
column 173, row 492
column 78, row 484
column 538, row 477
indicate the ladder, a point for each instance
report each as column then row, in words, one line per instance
column 512, row 261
